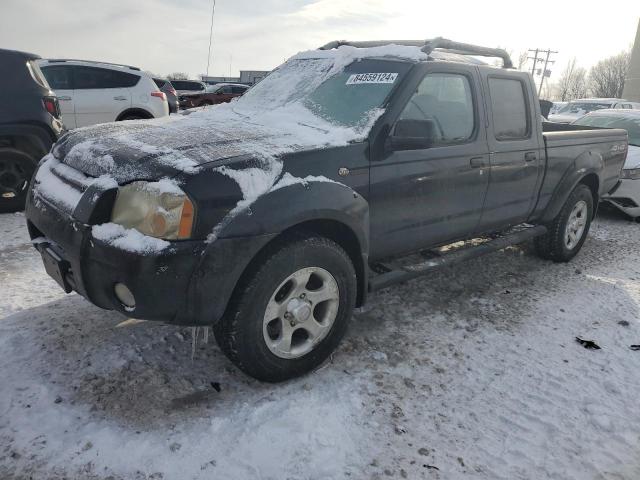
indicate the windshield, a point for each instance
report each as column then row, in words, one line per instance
column 583, row 107
column 631, row 125
column 347, row 96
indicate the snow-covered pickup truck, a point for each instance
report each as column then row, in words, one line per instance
column 272, row 217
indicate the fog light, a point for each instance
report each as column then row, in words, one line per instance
column 125, row 296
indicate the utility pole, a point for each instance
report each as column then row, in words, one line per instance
column 538, row 57
column 213, row 11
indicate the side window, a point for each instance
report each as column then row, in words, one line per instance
column 58, row 77
column 97, row 78
column 444, row 100
column 239, row 90
column 226, row 89
column 509, row 107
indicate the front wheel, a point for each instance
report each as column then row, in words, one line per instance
column 568, row 231
column 291, row 311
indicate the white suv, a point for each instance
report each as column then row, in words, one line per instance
column 96, row 92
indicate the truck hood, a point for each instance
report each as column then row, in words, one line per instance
column 633, row 158
column 182, row 144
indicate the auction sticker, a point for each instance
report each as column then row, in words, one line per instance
column 372, row 78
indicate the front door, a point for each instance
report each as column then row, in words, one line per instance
column 420, row 197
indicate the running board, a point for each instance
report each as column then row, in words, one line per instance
column 410, row 272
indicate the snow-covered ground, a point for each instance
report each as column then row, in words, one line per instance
column 473, row 372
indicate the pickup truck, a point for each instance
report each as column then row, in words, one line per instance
column 270, row 218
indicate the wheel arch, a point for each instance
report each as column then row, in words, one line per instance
column 134, row 111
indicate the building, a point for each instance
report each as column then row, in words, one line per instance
column 248, row 77
column 632, row 82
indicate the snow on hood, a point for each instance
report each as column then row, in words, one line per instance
column 633, row 157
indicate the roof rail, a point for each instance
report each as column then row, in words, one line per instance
column 428, row 46
column 61, row 60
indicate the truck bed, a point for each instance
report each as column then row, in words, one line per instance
column 565, row 143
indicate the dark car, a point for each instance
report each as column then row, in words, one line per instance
column 172, row 96
column 188, row 87
column 29, row 124
column 213, row 95
column 272, row 220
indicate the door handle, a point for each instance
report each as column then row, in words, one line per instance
column 120, row 98
column 530, row 156
column 478, row 162
column 64, row 99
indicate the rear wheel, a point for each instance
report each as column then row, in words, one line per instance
column 16, row 169
column 568, row 231
column 133, row 116
column 291, row 311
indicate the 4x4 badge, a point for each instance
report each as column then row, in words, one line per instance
column 343, row 172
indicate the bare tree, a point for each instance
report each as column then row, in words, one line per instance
column 178, row 76
column 572, row 83
column 606, row 78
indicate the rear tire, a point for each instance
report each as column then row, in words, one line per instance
column 278, row 325
column 16, row 170
column 568, row 231
column 133, row 117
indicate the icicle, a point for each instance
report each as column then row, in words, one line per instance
column 206, row 335
column 194, row 341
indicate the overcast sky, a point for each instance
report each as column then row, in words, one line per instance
column 165, row 36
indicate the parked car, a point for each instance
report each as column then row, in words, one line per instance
column 557, row 106
column 98, row 92
column 577, row 108
column 273, row 219
column 213, row 95
column 172, row 96
column 626, row 195
column 29, row 124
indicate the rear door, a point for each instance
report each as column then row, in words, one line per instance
column 427, row 196
column 101, row 94
column 517, row 158
column 60, row 79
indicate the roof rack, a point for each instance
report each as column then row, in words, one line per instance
column 428, row 46
column 61, row 60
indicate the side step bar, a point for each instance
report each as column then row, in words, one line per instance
column 409, row 272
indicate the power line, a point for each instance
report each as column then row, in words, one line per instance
column 213, row 11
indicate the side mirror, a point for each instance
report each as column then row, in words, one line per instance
column 411, row 135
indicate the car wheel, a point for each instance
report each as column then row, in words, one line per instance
column 291, row 310
column 16, row 169
column 568, row 231
column 133, row 117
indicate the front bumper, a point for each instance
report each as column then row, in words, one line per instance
column 625, row 197
column 187, row 283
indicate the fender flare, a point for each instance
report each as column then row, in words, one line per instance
column 587, row 163
column 241, row 237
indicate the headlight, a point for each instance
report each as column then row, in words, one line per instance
column 631, row 173
column 158, row 209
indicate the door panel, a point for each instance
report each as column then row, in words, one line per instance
column 420, row 198
column 100, row 95
column 517, row 159
column 67, row 107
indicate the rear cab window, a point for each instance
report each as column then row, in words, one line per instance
column 510, row 109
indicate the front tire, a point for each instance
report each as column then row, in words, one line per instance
column 290, row 311
column 568, row 231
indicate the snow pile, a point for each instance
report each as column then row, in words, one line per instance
column 49, row 183
column 128, row 239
